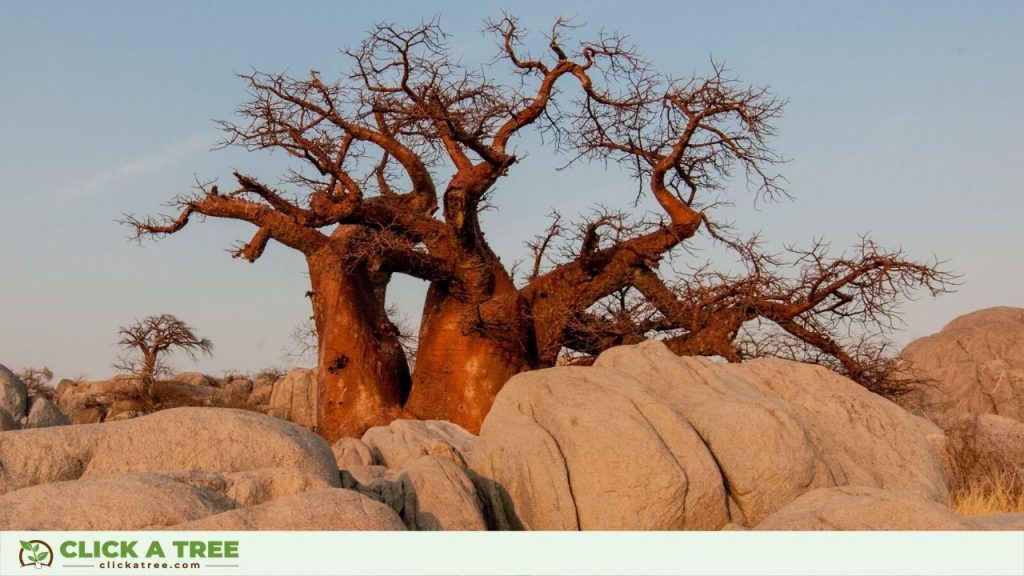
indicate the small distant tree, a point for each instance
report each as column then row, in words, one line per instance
column 149, row 341
column 35, row 378
column 36, row 381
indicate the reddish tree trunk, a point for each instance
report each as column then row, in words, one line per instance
column 466, row 353
column 363, row 373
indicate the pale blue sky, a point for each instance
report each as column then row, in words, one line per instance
column 903, row 120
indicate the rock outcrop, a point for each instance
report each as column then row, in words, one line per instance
column 262, row 499
column 983, row 450
column 648, row 440
column 294, row 397
column 42, row 414
column 13, row 394
column 236, row 388
column 1000, row 440
column 121, row 396
column 88, row 402
column 405, row 440
column 19, row 409
column 418, row 468
column 974, row 365
column 429, row 493
column 437, row 494
column 260, row 396
column 863, row 508
column 262, row 390
column 193, row 378
column 178, row 439
column 254, row 487
column 125, row 502
column 6, row 422
column 352, row 452
column 333, row 509
column 184, row 468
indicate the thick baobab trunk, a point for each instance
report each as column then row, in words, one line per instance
column 466, row 353
column 363, row 373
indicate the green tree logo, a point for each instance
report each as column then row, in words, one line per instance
column 35, row 553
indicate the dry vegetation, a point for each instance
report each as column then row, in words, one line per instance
column 981, row 483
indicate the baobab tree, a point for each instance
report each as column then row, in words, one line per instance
column 402, row 153
column 149, row 341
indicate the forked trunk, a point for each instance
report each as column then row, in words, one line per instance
column 363, row 373
column 466, row 353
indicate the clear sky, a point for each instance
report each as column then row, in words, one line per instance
column 904, row 120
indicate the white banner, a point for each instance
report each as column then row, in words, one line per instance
column 523, row 553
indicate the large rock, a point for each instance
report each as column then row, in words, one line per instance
column 429, row 493
column 332, row 509
column 403, row 441
column 128, row 502
column 794, row 423
column 82, row 401
column 6, row 422
column 863, row 508
column 63, row 387
column 349, row 452
column 254, row 487
column 13, row 395
column 237, row 388
column 193, row 378
column 975, row 364
column 91, row 415
column 178, row 439
column 88, row 402
column 437, row 494
column 294, row 397
column 1001, row 440
column 170, row 394
column 147, row 500
column 983, row 451
column 368, row 480
column 43, row 414
column 124, row 407
column 591, row 448
column 648, row 440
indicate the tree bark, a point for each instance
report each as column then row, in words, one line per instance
column 467, row 351
column 363, row 373
column 568, row 290
column 148, row 375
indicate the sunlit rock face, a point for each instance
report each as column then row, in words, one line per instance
column 974, row 365
column 647, row 440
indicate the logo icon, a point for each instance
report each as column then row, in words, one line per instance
column 35, row 553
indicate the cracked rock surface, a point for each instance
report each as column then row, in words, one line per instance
column 974, row 365
column 646, row 440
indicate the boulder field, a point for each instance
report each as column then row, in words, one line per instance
column 642, row 440
column 193, row 468
column 647, row 440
